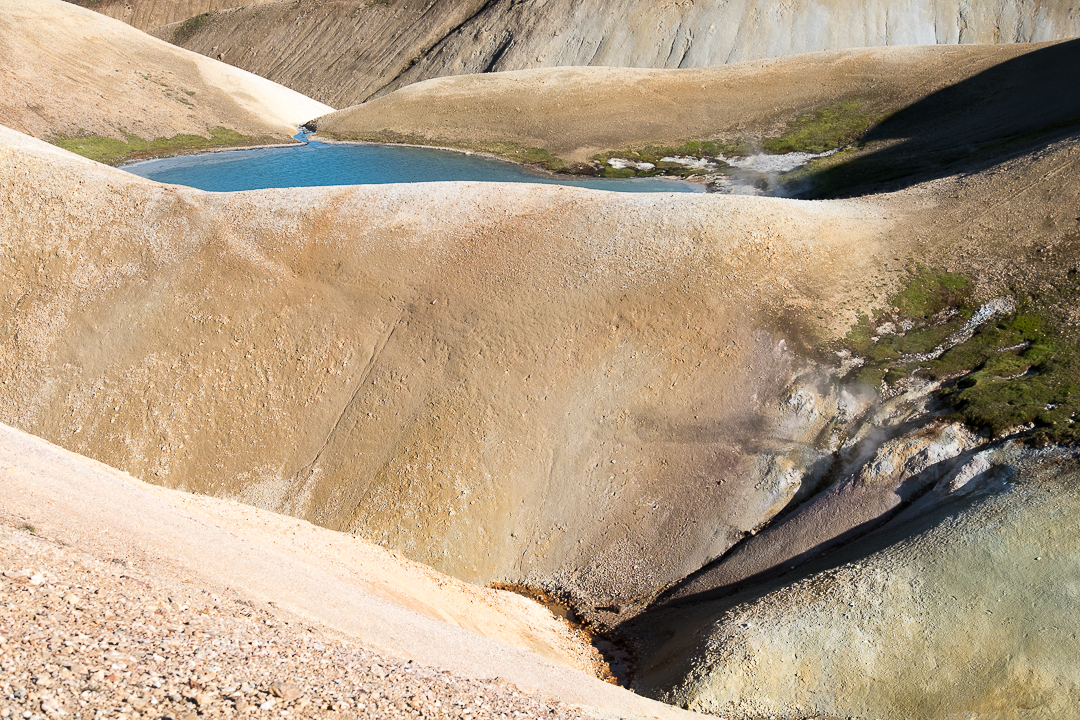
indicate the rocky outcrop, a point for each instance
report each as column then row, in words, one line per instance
column 344, row 52
column 881, row 478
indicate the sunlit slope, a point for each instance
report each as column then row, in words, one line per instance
column 511, row 383
column 937, row 100
column 345, row 51
column 69, row 71
column 335, row 583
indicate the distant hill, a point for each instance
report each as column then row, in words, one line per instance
column 343, row 52
column 945, row 97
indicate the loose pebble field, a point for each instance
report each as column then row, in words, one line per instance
column 82, row 637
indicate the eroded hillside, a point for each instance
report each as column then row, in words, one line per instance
column 149, row 14
column 344, row 52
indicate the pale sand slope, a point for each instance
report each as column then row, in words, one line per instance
column 345, row 51
column 68, row 70
column 577, row 112
column 341, row 583
column 511, row 383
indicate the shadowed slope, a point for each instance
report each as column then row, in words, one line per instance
column 1022, row 102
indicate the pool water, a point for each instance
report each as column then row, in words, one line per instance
column 318, row 163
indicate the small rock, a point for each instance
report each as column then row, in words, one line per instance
column 285, row 691
column 51, row 707
column 203, row 699
column 269, row 704
column 241, row 704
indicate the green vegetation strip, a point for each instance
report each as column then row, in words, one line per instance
column 113, row 152
column 1015, row 370
column 826, row 128
column 515, row 152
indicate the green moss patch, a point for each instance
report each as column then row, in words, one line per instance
column 1024, row 372
column 932, row 306
column 528, row 155
column 826, row 128
column 1015, row 369
column 187, row 29
column 113, row 152
column 877, row 163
